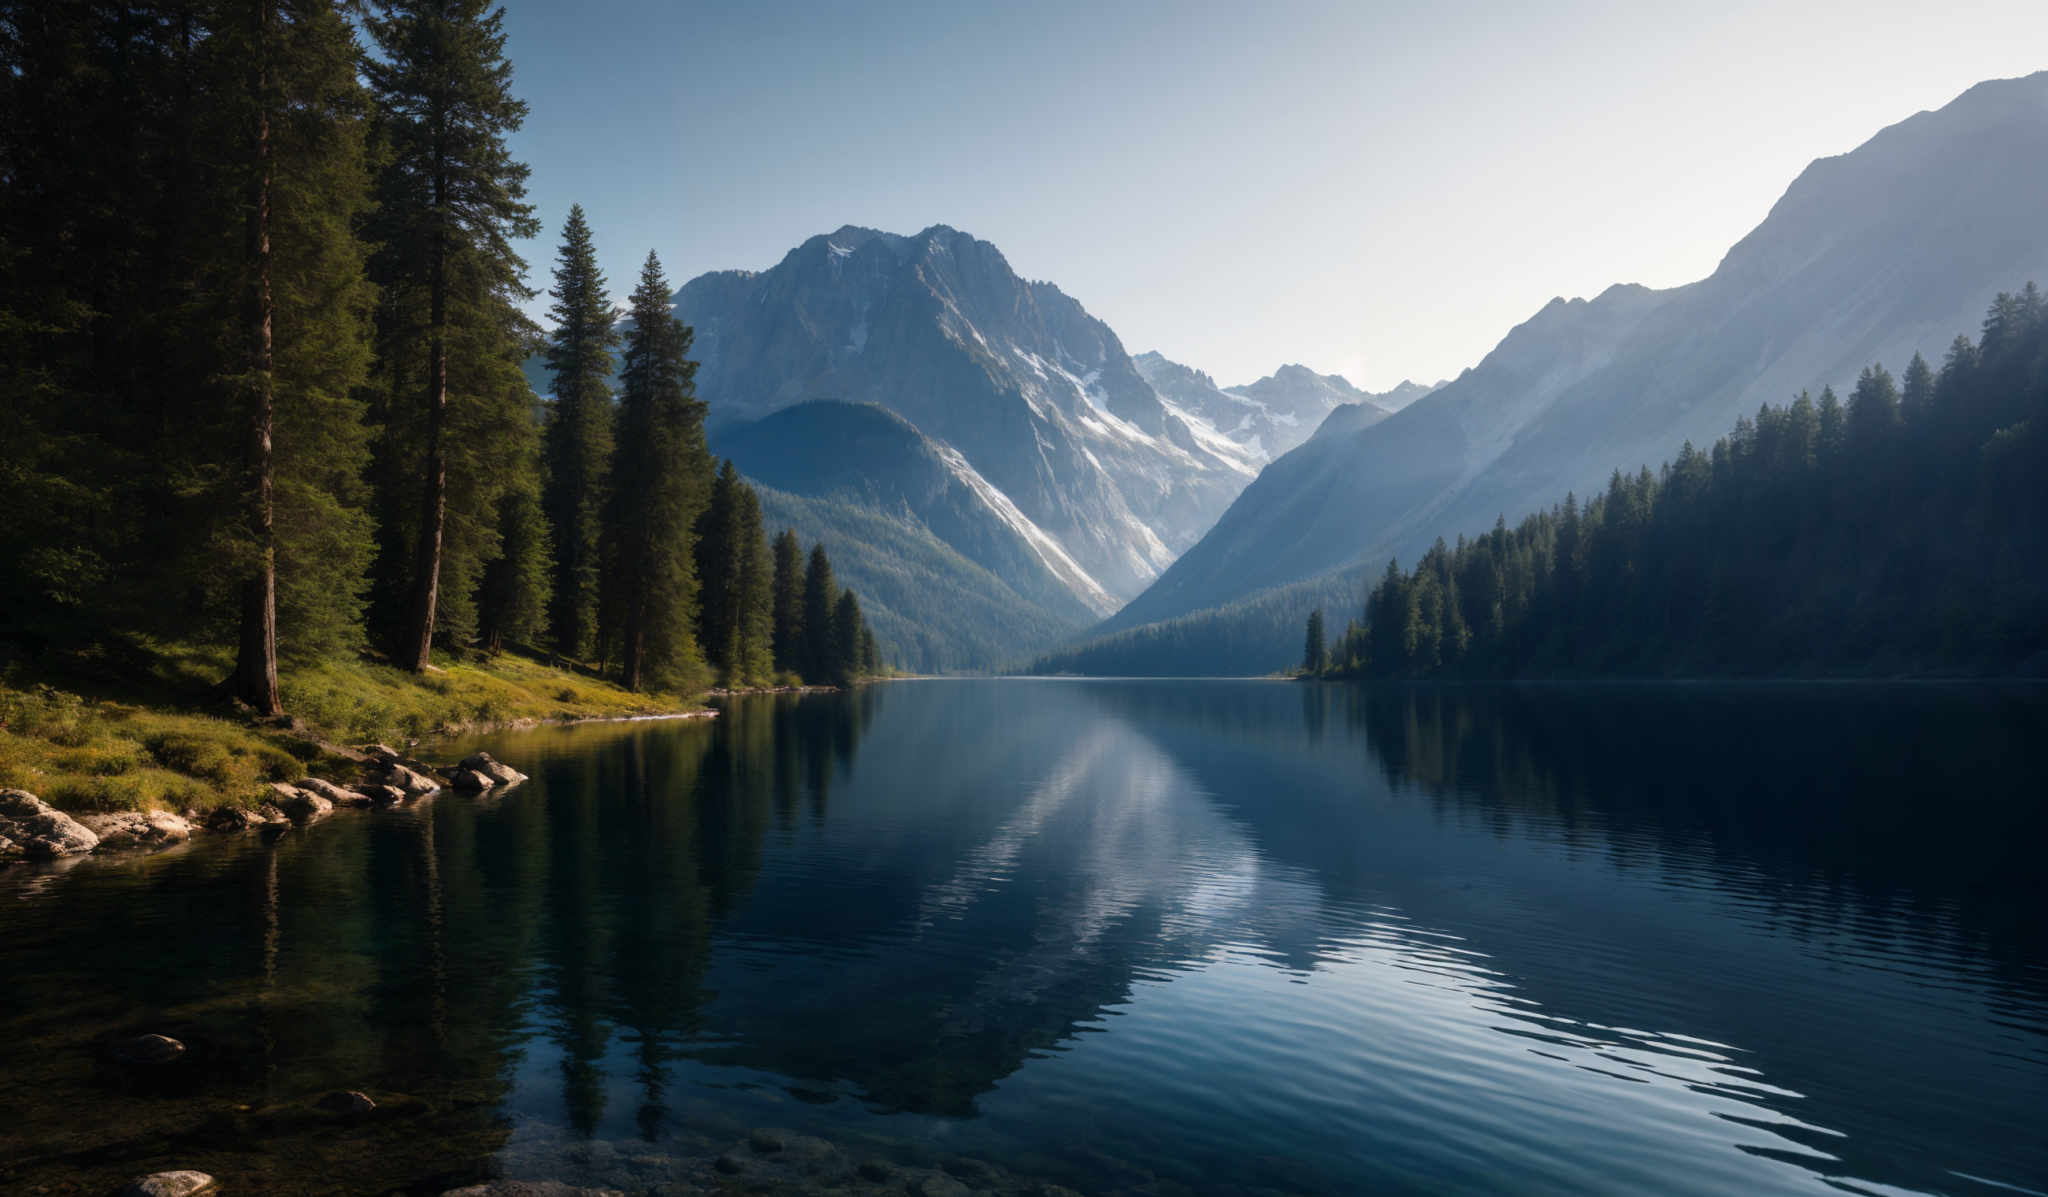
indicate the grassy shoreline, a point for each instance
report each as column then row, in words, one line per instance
column 149, row 733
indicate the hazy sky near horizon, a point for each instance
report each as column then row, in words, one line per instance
column 1376, row 189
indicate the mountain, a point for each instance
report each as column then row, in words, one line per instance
column 950, row 573
column 1276, row 413
column 1869, row 256
column 1037, row 397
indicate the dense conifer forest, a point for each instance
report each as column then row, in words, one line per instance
column 1904, row 531
column 260, row 309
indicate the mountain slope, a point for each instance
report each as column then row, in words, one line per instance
column 1036, row 396
column 1868, row 256
column 949, row 571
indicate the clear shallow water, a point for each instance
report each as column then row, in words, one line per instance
column 1141, row 937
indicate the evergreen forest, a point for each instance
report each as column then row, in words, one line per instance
column 1899, row 532
column 261, row 314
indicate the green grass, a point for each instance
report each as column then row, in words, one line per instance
column 148, row 736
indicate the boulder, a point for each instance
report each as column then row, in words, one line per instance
column 328, row 790
column 348, row 1103
column 491, row 767
column 147, row 1050
column 379, row 753
column 300, row 805
column 471, row 781
column 170, row 1184
column 381, row 795
column 40, row 829
column 412, row 781
column 122, row 831
column 9, row 850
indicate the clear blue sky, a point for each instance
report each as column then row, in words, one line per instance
column 1376, row 189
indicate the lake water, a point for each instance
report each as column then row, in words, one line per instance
column 1126, row 937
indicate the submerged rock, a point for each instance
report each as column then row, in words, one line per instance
column 40, row 829
column 129, row 830
column 170, row 1184
column 938, row 1184
column 348, row 1103
column 148, row 1050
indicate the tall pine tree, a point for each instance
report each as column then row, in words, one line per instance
column 786, row 603
column 821, row 594
column 579, row 434
column 660, row 485
column 452, row 201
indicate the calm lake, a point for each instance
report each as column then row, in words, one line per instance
column 1126, row 937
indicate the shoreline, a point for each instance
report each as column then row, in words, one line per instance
column 331, row 776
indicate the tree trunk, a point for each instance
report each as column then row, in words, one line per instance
column 256, row 663
column 416, row 651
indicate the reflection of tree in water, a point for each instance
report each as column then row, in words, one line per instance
column 1926, row 796
column 654, row 839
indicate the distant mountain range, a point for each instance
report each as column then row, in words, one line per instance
column 1274, row 414
column 1894, row 247
column 988, row 467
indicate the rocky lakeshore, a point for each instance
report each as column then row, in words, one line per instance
column 31, row 829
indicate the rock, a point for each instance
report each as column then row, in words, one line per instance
column 379, row 753
column 489, row 766
column 328, row 790
column 302, row 805
column 875, row 1170
column 125, row 830
column 938, row 1184
column 148, row 1050
column 728, row 1164
column 765, row 1142
column 40, row 829
column 170, row 1184
column 1050, row 1190
column 239, row 818
column 9, row 850
column 471, row 781
column 412, row 781
column 348, row 1103
column 381, row 795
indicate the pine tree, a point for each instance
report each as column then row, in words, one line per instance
column 787, row 603
column 512, row 604
column 756, row 586
column 452, row 201
column 847, row 626
column 1315, row 655
column 660, row 485
column 579, row 434
column 718, row 576
column 821, row 594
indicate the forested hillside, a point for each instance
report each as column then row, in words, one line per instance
column 1904, row 531
column 260, row 317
